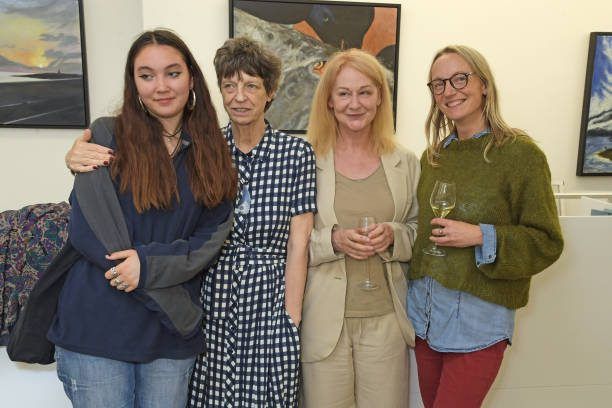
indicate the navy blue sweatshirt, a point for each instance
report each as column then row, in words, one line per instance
column 174, row 247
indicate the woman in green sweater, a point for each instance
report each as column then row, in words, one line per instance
column 503, row 229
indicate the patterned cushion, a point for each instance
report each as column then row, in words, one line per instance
column 29, row 239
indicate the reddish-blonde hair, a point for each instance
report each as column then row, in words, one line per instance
column 322, row 125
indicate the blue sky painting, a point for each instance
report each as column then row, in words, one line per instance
column 601, row 85
column 597, row 159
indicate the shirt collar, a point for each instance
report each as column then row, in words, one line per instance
column 453, row 136
column 260, row 151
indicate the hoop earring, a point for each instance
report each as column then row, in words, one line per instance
column 142, row 105
column 192, row 100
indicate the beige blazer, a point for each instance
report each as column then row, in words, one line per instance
column 324, row 297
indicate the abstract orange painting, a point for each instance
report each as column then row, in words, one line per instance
column 305, row 34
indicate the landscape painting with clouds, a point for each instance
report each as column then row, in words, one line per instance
column 596, row 142
column 42, row 74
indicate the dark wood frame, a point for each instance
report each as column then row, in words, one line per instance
column 279, row 4
column 586, row 109
column 85, row 113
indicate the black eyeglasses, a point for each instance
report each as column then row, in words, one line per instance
column 457, row 81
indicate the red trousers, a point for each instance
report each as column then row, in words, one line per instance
column 456, row 380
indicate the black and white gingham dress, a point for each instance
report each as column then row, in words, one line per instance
column 252, row 346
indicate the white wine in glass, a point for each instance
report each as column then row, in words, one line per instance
column 366, row 223
column 442, row 201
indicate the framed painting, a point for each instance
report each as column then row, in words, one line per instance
column 595, row 149
column 43, row 79
column 304, row 34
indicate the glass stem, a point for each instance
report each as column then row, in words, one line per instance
column 434, row 246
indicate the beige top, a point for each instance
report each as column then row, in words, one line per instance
column 325, row 293
column 354, row 199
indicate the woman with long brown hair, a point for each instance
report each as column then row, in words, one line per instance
column 127, row 328
column 253, row 294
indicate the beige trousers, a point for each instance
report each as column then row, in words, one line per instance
column 367, row 369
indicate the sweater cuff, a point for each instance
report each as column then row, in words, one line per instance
column 142, row 257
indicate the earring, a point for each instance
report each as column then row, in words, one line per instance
column 192, row 100
column 142, row 105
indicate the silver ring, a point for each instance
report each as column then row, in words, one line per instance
column 118, row 281
column 122, row 286
column 114, row 272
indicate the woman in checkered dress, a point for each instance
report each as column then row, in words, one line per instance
column 253, row 295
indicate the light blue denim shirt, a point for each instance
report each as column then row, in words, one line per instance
column 456, row 321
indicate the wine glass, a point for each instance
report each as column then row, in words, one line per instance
column 365, row 223
column 442, row 201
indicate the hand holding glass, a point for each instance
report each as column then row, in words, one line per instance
column 442, row 201
column 366, row 223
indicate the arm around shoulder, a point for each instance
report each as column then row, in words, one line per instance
column 85, row 155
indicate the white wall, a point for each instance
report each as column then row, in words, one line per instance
column 537, row 49
column 33, row 171
column 562, row 355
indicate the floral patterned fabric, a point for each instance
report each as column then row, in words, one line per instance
column 29, row 240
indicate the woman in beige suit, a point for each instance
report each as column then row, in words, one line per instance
column 354, row 341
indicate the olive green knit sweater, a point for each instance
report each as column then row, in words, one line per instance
column 513, row 193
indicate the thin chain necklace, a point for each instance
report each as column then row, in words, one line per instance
column 169, row 135
column 176, row 148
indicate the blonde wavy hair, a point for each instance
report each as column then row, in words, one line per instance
column 438, row 126
column 322, row 124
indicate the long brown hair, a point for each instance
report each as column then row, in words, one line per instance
column 142, row 161
column 438, row 126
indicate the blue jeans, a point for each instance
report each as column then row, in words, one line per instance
column 96, row 382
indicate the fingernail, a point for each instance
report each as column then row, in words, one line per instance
column 111, row 152
column 106, row 162
column 95, row 167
